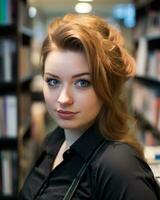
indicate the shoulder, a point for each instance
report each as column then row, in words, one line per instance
column 118, row 156
column 118, row 169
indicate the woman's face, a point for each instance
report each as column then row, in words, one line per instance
column 68, row 91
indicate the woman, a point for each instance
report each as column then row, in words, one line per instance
column 85, row 68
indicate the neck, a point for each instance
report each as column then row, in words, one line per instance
column 72, row 135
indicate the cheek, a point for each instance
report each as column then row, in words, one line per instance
column 90, row 101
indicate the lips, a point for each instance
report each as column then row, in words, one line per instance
column 66, row 114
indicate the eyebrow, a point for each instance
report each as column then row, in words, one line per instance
column 74, row 76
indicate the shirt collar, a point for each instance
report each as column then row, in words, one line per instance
column 85, row 145
column 53, row 141
column 88, row 142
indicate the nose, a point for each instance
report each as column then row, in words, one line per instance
column 65, row 97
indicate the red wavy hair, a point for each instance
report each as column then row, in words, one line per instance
column 110, row 65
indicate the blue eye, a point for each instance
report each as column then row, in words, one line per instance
column 82, row 83
column 52, row 82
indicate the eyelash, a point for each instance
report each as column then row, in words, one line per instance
column 55, row 82
column 85, row 82
column 81, row 83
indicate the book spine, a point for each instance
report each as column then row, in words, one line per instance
column 15, row 172
column 11, row 116
column 7, row 61
column 0, row 173
column 5, row 12
column 141, row 56
column 1, row 117
column 8, row 11
column 1, row 11
column 6, row 173
column 2, row 61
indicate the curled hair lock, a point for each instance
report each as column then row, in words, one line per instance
column 110, row 65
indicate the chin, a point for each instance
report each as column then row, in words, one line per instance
column 65, row 123
column 64, row 126
column 73, row 125
column 68, row 124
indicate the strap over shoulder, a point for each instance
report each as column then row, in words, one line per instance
column 71, row 190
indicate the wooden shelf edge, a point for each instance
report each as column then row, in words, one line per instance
column 6, row 30
column 8, row 143
column 8, row 197
column 148, row 79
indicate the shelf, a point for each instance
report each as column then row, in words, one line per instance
column 8, row 30
column 8, row 144
column 7, row 87
column 147, row 84
column 16, row 49
column 2, row 197
column 11, row 30
column 10, row 87
column 149, row 81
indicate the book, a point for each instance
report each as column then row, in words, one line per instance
column 1, row 117
column 15, row 176
column 157, row 54
column 158, row 124
column 6, row 173
column 141, row 57
column 5, row 12
column 9, row 172
column 1, row 60
column 8, row 116
column 7, row 54
column 0, row 174
column 7, row 61
column 11, row 115
column 153, row 66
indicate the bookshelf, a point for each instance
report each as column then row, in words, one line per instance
column 146, row 84
column 15, row 96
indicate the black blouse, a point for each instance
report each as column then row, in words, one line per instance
column 116, row 173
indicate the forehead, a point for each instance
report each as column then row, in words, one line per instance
column 66, row 61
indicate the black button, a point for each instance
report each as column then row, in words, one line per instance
column 68, row 151
column 68, row 154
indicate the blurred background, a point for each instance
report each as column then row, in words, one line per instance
column 24, row 121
